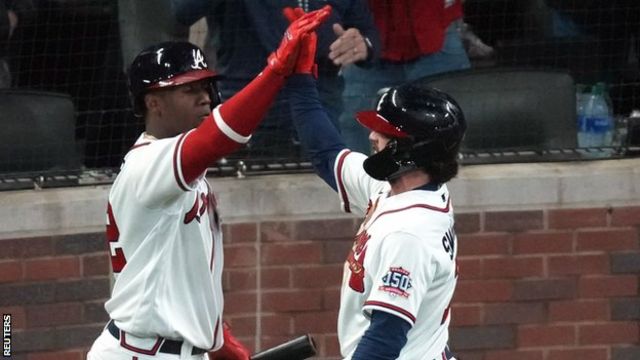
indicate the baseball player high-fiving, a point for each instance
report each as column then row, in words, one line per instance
column 401, row 273
column 163, row 228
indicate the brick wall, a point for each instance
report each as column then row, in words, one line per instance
column 548, row 284
column 54, row 288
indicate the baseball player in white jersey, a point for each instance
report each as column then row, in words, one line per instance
column 163, row 228
column 400, row 275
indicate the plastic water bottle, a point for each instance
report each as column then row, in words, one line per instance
column 581, row 99
column 596, row 119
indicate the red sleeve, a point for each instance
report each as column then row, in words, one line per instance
column 229, row 125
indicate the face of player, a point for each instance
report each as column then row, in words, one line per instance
column 378, row 141
column 183, row 107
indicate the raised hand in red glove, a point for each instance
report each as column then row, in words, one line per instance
column 232, row 349
column 284, row 60
column 306, row 63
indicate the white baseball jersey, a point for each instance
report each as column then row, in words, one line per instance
column 166, row 248
column 403, row 260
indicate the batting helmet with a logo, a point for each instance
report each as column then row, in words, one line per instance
column 167, row 64
column 425, row 126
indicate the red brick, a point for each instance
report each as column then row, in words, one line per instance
column 484, row 244
column 317, row 276
column 242, row 325
column 240, row 232
column 584, row 353
column 336, row 251
column 469, row 268
column 324, row 229
column 512, row 267
column 54, row 315
column 26, row 247
column 466, row 315
column 482, row 337
column 96, row 265
column 331, row 346
column 515, row 313
column 579, row 310
column 276, row 231
column 483, row 291
column 52, row 268
column 515, row 354
column 292, row 253
column 546, row 335
column 277, row 324
column 544, row 289
column 240, row 302
column 607, row 240
column 240, row 279
column 292, row 300
column 625, row 216
column 578, row 264
column 57, row 355
column 513, row 221
column 239, row 255
column 609, row 333
column 468, row 355
column 269, row 341
column 78, row 244
column 467, row 223
column 18, row 316
column 331, row 298
column 577, row 218
column 10, row 271
column 275, row 277
column 543, row 243
column 316, row 322
column 608, row 286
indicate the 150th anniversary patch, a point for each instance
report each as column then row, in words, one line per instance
column 396, row 281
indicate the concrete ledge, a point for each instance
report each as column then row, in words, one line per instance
column 477, row 188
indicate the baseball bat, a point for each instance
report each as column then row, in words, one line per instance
column 300, row 348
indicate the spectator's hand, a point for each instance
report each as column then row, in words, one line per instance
column 306, row 63
column 283, row 61
column 232, row 349
column 349, row 47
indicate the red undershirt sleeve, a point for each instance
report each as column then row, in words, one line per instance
column 229, row 125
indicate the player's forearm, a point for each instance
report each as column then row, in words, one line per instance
column 319, row 137
column 230, row 125
column 244, row 111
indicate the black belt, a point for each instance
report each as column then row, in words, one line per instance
column 168, row 346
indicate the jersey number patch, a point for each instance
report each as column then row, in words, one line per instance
column 118, row 261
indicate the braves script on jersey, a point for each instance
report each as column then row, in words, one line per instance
column 166, row 248
column 403, row 260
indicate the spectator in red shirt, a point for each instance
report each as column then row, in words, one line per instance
column 419, row 38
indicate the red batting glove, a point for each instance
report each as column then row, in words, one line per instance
column 283, row 61
column 306, row 63
column 232, row 349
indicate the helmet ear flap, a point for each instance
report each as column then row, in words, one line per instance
column 394, row 159
column 214, row 94
column 381, row 165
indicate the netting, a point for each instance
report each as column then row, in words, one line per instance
column 81, row 48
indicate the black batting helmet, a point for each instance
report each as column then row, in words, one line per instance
column 167, row 64
column 426, row 127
